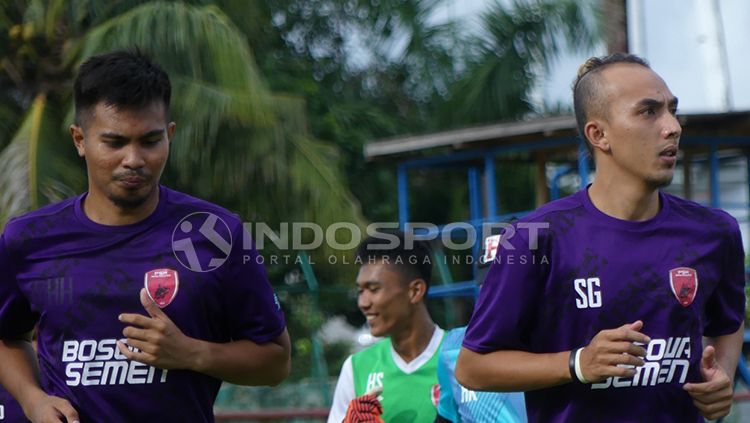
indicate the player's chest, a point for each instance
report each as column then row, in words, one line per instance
column 603, row 271
column 85, row 290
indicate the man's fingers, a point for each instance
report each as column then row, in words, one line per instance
column 628, row 332
column 67, row 410
column 617, row 371
column 708, row 399
column 141, row 357
column 715, row 410
column 150, row 306
column 131, row 332
column 635, row 326
column 141, row 345
column 706, row 387
column 628, row 359
column 627, row 347
column 137, row 320
column 708, row 361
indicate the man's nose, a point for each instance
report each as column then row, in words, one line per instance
column 133, row 157
column 672, row 129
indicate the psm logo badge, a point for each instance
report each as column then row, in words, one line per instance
column 162, row 285
column 684, row 284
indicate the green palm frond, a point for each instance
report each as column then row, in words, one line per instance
column 515, row 40
column 36, row 170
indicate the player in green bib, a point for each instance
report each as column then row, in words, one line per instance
column 392, row 286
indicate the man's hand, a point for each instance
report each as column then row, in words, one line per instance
column 161, row 343
column 51, row 409
column 713, row 398
column 365, row 409
column 613, row 347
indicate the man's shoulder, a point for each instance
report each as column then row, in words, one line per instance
column 49, row 211
column 707, row 218
column 186, row 204
column 566, row 205
column 47, row 217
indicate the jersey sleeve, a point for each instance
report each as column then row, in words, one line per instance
column 343, row 394
column 725, row 310
column 446, row 404
column 252, row 309
column 507, row 300
column 16, row 316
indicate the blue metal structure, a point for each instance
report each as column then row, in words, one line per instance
column 483, row 200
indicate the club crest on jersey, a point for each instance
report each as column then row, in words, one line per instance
column 162, row 285
column 435, row 394
column 684, row 284
column 490, row 248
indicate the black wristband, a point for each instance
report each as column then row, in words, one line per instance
column 572, row 365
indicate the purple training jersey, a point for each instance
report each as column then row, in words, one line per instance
column 75, row 277
column 681, row 273
column 10, row 410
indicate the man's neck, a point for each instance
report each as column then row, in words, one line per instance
column 410, row 342
column 633, row 202
column 103, row 211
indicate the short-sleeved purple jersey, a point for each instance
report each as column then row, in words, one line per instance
column 75, row 277
column 681, row 273
column 10, row 410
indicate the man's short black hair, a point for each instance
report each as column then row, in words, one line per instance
column 410, row 263
column 126, row 79
column 587, row 95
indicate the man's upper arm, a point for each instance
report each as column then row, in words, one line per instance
column 252, row 309
column 725, row 309
column 344, row 393
column 507, row 299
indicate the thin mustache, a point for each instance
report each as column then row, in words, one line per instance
column 122, row 176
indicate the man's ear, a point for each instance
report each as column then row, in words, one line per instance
column 170, row 130
column 76, row 132
column 417, row 290
column 596, row 134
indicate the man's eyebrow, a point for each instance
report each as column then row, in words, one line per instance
column 120, row 137
column 113, row 135
column 368, row 283
column 657, row 103
column 151, row 134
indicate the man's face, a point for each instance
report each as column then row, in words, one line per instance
column 640, row 127
column 125, row 151
column 383, row 298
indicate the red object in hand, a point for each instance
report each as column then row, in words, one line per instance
column 364, row 409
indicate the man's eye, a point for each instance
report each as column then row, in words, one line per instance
column 648, row 111
column 113, row 143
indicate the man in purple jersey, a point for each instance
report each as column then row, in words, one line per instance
column 596, row 305
column 10, row 411
column 146, row 298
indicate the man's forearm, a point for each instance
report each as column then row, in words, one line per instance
column 509, row 371
column 728, row 350
column 244, row 362
column 20, row 373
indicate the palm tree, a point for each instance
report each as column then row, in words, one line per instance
column 237, row 143
column 503, row 61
